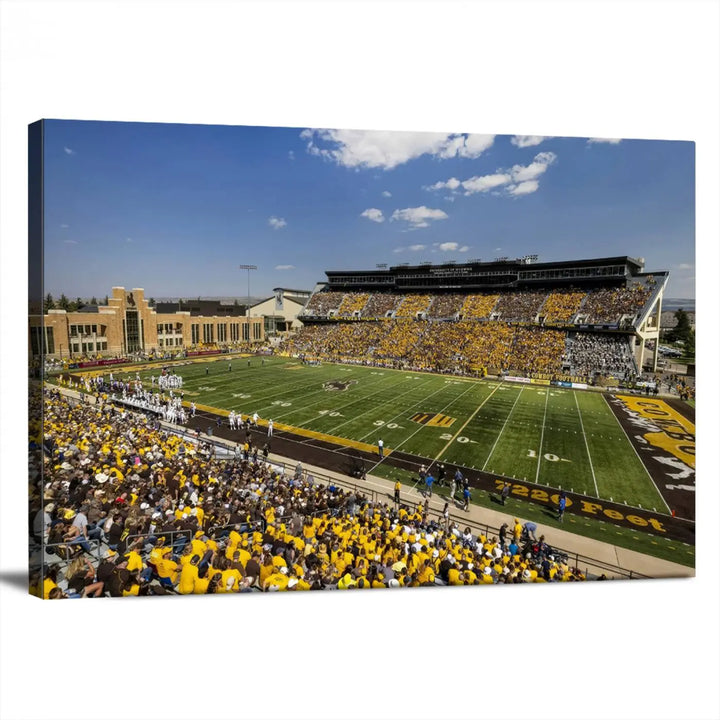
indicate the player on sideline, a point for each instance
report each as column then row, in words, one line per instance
column 270, row 428
column 255, row 419
column 192, row 408
column 380, row 447
column 231, row 419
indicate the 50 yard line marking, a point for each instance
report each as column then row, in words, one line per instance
column 542, row 435
column 587, row 447
column 492, row 449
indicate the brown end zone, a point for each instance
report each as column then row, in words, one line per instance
column 674, row 479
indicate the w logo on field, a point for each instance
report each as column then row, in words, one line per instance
column 433, row 419
column 338, row 384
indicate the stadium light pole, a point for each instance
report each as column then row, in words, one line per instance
column 248, row 268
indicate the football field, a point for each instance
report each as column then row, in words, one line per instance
column 556, row 437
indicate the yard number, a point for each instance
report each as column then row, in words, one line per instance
column 548, row 456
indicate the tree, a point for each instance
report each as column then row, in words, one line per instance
column 152, row 302
column 690, row 344
column 682, row 329
column 49, row 303
column 63, row 303
column 106, row 300
column 93, row 300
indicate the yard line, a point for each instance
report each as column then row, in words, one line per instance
column 612, row 412
column 587, row 447
column 403, row 412
column 542, row 434
column 470, row 387
column 322, row 393
column 492, row 449
column 477, row 409
column 413, row 387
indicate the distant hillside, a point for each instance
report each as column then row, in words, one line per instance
column 687, row 304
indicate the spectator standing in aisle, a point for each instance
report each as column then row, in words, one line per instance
column 397, row 492
column 466, row 498
column 505, row 493
column 562, row 502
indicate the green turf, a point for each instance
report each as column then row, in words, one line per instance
column 553, row 436
column 645, row 543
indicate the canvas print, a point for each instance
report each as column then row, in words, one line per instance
column 289, row 359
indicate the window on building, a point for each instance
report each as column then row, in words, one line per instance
column 195, row 333
column 246, row 332
column 207, row 333
column 257, row 331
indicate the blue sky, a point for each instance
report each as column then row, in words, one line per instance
column 176, row 208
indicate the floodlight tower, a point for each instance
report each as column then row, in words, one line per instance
column 248, row 268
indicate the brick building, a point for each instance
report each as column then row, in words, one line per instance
column 127, row 324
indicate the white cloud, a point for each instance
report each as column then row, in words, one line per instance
column 484, row 183
column 70, row 242
column 685, row 266
column 498, row 249
column 523, row 141
column 129, row 240
column 276, row 223
column 398, row 249
column 464, row 248
column 388, row 149
column 373, row 214
column 518, row 180
column 386, row 193
column 68, row 151
column 291, row 154
column 418, row 217
column 609, row 141
column 448, row 246
column 537, row 167
column 284, row 267
column 64, row 226
column 524, row 188
column 416, row 248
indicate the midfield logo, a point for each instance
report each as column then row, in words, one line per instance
column 338, row 384
column 433, row 419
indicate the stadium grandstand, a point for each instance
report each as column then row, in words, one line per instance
column 585, row 320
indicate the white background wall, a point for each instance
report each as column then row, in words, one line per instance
column 620, row 69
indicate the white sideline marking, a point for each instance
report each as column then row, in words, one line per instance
column 587, row 447
column 492, row 449
column 542, row 434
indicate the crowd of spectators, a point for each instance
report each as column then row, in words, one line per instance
column 519, row 306
column 590, row 354
column 352, row 303
column 321, row 303
column 478, row 307
column 594, row 306
column 128, row 509
column 380, row 304
column 609, row 305
column 562, row 306
column 445, row 306
column 411, row 305
column 461, row 346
